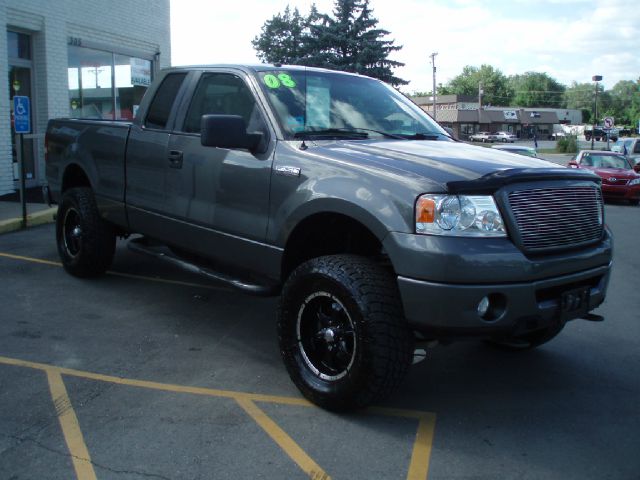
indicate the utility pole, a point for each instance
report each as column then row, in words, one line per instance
column 480, row 92
column 596, row 79
column 433, row 62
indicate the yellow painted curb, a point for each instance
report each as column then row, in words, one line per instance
column 33, row 219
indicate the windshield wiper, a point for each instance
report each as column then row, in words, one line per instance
column 425, row 136
column 332, row 132
column 358, row 132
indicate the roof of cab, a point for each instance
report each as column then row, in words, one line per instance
column 254, row 68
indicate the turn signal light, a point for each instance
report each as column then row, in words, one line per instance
column 425, row 210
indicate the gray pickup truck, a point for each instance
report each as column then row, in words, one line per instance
column 381, row 234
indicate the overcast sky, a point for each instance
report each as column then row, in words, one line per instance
column 568, row 39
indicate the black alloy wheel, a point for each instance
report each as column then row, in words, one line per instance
column 86, row 242
column 342, row 334
column 326, row 336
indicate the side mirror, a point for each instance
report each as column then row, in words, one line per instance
column 227, row 131
column 573, row 164
column 636, row 168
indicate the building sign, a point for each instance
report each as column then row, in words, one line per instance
column 21, row 114
column 510, row 115
column 467, row 106
column 140, row 72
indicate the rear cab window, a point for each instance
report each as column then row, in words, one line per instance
column 162, row 103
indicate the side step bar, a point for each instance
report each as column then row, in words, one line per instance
column 141, row 245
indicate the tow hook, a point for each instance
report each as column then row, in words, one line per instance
column 420, row 352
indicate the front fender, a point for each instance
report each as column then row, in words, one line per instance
column 380, row 211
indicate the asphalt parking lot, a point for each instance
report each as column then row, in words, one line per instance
column 150, row 372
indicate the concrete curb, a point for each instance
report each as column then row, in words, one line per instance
column 33, row 219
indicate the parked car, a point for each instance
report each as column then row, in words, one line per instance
column 629, row 147
column 483, row 137
column 505, row 137
column 519, row 149
column 620, row 179
column 557, row 135
column 600, row 134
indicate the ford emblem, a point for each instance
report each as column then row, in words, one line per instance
column 612, row 179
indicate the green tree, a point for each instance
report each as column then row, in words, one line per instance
column 495, row 85
column 285, row 38
column 625, row 102
column 347, row 40
column 440, row 89
column 534, row 89
column 580, row 96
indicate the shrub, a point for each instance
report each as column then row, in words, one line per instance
column 568, row 144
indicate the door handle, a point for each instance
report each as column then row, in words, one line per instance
column 175, row 159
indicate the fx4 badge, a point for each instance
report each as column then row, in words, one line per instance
column 288, row 171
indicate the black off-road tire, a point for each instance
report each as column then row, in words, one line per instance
column 86, row 243
column 528, row 341
column 343, row 293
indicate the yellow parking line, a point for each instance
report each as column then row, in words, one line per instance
column 70, row 427
column 285, row 442
column 118, row 274
column 421, row 452
column 30, row 259
column 419, row 465
column 167, row 387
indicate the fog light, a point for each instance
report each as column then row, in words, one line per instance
column 483, row 306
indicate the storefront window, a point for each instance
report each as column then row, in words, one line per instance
column 106, row 85
column 468, row 128
column 18, row 45
column 133, row 76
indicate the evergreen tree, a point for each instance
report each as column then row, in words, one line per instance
column 285, row 38
column 349, row 40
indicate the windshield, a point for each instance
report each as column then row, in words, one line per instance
column 325, row 104
column 604, row 161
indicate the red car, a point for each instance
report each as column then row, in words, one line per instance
column 619, row 178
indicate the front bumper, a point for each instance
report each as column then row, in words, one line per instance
column 449, row 310
column 627, row 192
column 443, row 279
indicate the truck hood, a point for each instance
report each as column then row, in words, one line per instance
column 443, row 162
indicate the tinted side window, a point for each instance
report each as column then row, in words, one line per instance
column 636, row 149
column 223, row 94
column 160, row 107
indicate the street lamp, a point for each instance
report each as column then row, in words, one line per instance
column 433, row 62
column 596, row 79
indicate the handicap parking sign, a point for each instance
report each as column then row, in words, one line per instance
column 21, row 114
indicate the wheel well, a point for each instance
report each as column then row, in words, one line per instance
column 328, row 234
column 74, row 176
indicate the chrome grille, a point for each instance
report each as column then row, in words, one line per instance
column 550, row 218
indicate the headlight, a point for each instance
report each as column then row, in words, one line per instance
column 635, row 181
column 459, row 215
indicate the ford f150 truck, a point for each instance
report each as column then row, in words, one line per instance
column 380, row 233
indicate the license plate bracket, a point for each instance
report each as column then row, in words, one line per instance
column 574, row 302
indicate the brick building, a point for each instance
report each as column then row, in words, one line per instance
column 87, row 58
column 462, row 114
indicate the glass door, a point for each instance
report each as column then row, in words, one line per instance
column 19, row 50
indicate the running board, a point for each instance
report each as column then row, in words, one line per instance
column 141, row 245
